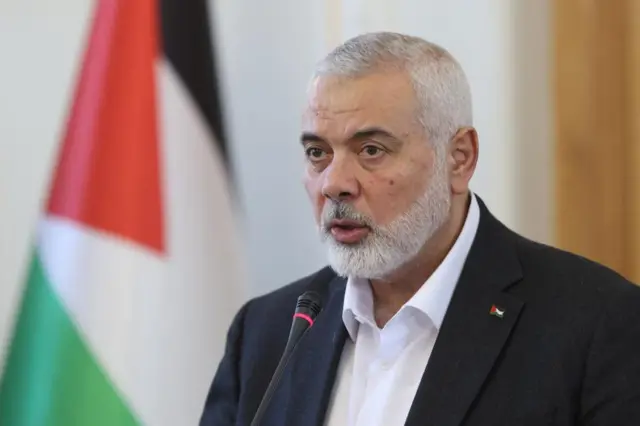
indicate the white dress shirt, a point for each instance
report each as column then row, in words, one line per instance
column 380, row 369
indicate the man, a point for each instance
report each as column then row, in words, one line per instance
column 436, row 314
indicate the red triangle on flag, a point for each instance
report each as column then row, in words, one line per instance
column 108, row 175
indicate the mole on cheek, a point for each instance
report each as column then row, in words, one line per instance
column 391, row 182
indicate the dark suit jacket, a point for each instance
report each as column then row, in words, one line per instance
column 566, row 352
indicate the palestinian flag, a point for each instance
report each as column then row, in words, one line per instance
column 135, row 273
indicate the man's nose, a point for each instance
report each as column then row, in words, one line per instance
column 340, row 183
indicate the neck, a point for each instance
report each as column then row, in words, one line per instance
column 394, row 290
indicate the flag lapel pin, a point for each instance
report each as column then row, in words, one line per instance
column 496, row 311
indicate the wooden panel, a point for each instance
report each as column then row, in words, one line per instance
column 633, row 139
column 595, row 77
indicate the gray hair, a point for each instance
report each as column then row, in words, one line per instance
column 440, row 85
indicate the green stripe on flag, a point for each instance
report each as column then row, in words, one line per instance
column 50, row 377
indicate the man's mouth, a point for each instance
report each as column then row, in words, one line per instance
column 348, row 231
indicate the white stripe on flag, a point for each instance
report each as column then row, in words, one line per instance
column 202, row 242
column 113, row 292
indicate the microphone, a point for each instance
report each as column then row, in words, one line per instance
column 307, row 309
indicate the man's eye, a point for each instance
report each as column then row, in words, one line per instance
column 315, row 153
column 372, row 151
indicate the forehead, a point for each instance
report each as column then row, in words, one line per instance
column 347, row 102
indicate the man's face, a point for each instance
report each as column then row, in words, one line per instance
column 378, row 189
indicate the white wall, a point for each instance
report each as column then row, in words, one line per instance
column 268, row 50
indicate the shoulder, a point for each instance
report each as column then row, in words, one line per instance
column 548, row 269
column 569, row 269
column 572, row 283
column 281, row 303
column 264, row 321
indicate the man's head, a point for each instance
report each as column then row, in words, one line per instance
column 390, row 149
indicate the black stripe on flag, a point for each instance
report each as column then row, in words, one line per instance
column 186, row 40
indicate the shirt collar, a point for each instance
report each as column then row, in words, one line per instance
column 432, row 299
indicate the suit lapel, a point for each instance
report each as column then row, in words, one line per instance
column 471, row 337
column 314, row 365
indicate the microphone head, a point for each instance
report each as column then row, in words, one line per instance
column 309, row 303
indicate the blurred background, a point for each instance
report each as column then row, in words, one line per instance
column 556, row 97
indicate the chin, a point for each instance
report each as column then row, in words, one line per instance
column 362, row 261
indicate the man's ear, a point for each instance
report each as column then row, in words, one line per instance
column 463, row 157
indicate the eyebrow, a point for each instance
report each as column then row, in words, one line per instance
column 365, row 133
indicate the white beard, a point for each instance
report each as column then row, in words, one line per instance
column 388, row 247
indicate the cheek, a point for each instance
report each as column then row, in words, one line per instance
column 386, row 198
column 391, row 196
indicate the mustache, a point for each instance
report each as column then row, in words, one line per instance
column 340, row 210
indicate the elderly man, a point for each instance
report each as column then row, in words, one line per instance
column 434, row 313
